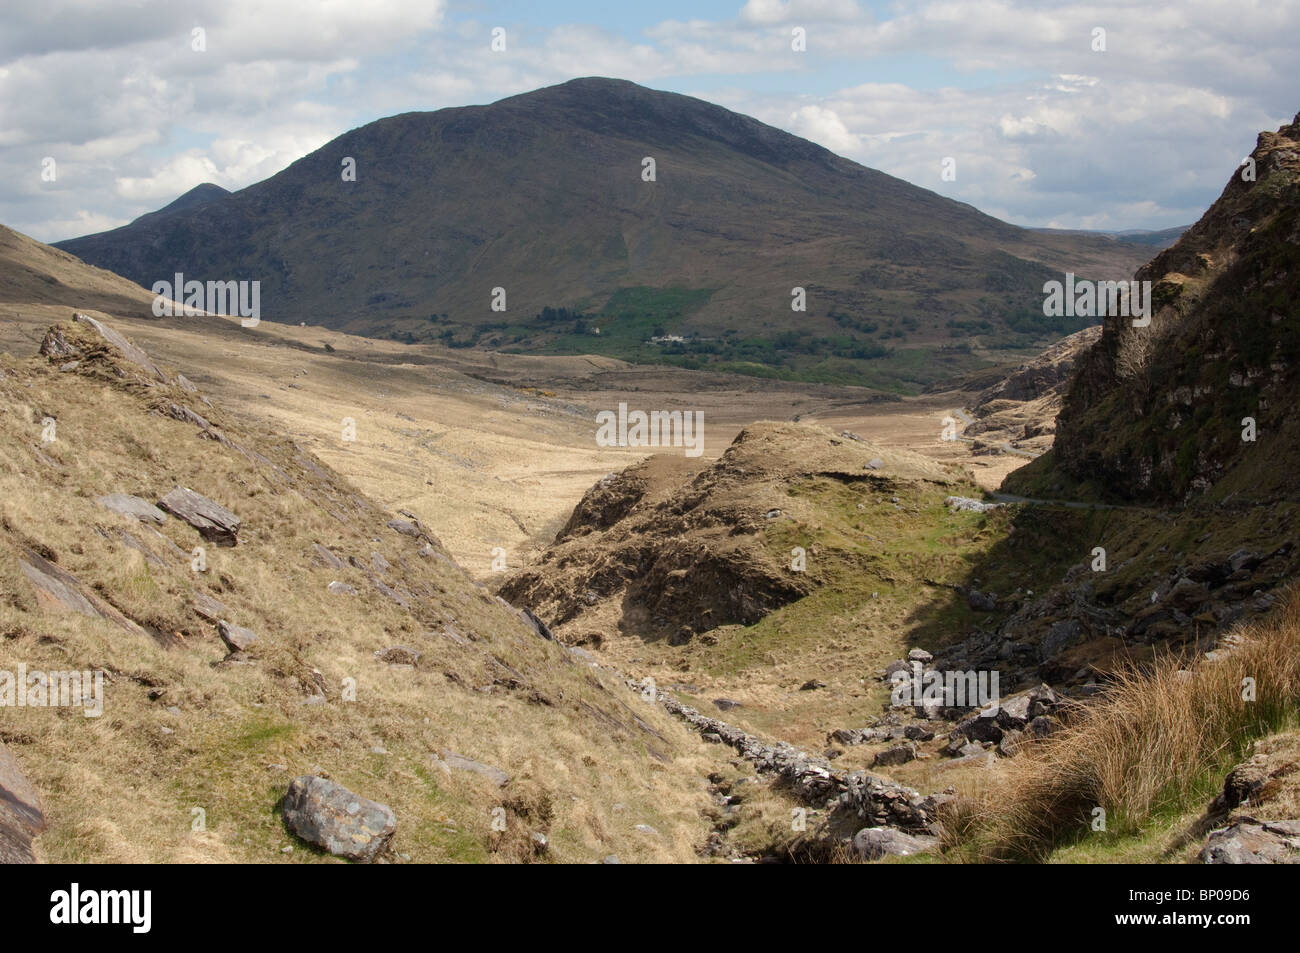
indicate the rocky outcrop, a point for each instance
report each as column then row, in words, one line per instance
column 676, row 547
column 1158, row 412
column 1020, row 410
column 452, row 761
column 236, row 637
column 58, row 590
column 88, row 339
column 1248, row 842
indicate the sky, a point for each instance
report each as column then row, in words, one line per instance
column 1062, row 114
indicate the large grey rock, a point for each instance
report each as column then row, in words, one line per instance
column 335, row 819
column 236, row 637
column 898, row 754
column 873, row 843
column 214, row 522
column 128, row 505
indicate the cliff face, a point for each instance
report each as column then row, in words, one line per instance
column 1157, row 413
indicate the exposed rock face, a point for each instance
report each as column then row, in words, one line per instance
column 58, row 590
column 335, row 819
column 1045, row 374
column 214, row 522
column 1021, row 408
column 127, row 505
column 21, row 815
column 459, row 762
column 1270, row 842
column 1156, row 413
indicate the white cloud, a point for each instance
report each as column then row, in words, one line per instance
column 1044, row 129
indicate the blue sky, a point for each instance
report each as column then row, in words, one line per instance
column 1045, row 129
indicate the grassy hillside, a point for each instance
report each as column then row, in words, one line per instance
column 188, row 724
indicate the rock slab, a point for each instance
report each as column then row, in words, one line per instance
column 214, row 522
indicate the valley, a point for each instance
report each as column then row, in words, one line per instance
column 419, row 584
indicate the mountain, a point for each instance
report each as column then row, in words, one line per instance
column 542, row 194
column 1200, row 401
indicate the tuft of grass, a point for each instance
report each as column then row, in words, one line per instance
column 1150, row 749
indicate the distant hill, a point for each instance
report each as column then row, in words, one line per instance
column 543, row 195
column 1161, row 238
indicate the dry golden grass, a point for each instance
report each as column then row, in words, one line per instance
column 124, row 787
column 1157, row 743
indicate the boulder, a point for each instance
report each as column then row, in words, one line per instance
column 977, row 728
column 873, row 843
column 1060, row 636
column 209, row 608
column 236, row 637
column 898, row 665
column 1187, row 594
column 898, row 754
column 337, row 820
column 214, row 522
